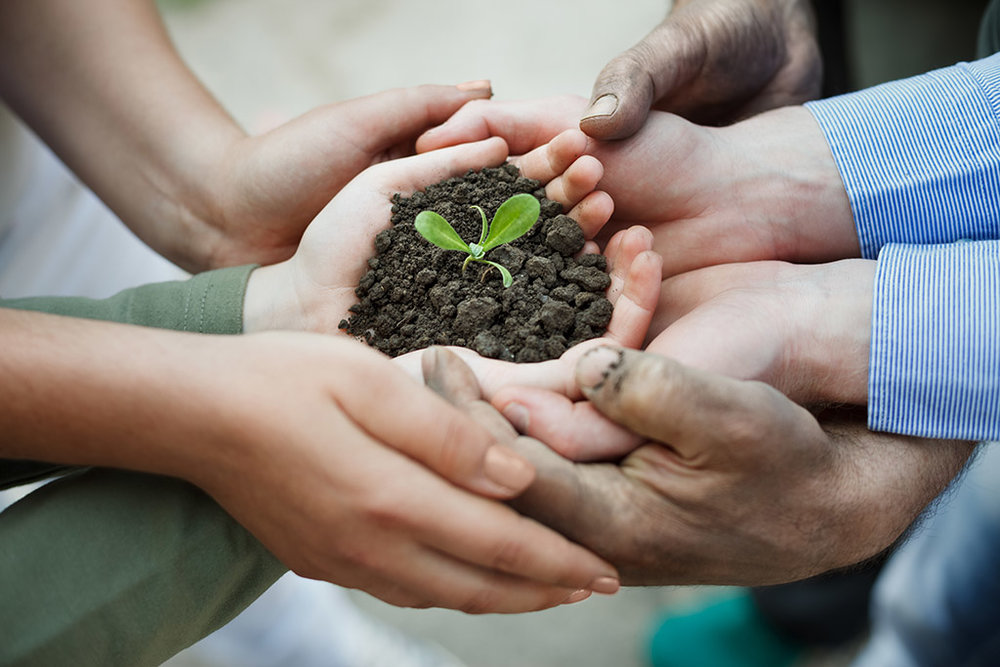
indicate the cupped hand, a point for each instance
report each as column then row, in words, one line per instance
column 313, row 290
column 351, row 472
column 634, row 270
column 763, row 189
column 266, row 189
column 733, row 483
column 803, row 329
column 712, row 61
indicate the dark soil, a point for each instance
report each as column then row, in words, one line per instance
column 415, row 294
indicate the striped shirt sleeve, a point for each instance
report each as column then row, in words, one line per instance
column 920, row 157
column 934, row 369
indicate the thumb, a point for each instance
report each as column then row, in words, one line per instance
column 694, row 412
column 629, row 85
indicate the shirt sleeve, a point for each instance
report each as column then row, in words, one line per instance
column 210, row 302
column 934, row 369
column 920, row 157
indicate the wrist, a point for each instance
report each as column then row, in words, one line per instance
column 789, row 179
column 271, row 302
column 832, row 345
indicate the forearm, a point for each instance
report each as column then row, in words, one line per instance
column 85, row 393
column 103, row 85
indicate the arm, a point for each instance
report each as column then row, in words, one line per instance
column 103, row 85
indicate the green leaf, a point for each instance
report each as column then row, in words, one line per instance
column 436, row 229
column 512, row 220
column 486, row 226
column 508, row 279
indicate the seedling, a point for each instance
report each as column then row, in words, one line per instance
column 512, row 220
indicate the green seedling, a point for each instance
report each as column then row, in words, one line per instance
column 512, row 220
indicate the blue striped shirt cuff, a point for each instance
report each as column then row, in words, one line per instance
column 920, row 158
column 934, row 369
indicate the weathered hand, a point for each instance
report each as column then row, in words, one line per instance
column 749, row 488
column 314, row 289
column 765, row 188
column 803, row 329
column 712, row 61
column 265, row 190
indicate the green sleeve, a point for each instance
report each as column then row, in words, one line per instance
column 210, row 302
column 107, row 567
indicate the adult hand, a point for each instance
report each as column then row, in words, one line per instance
column 712, row 61
column 314, row 289
column 266, row 189
column 735, row 483
column 635, row 284
column 762, row 189
column 345, row 468
column 386, row 495
column 803, row 329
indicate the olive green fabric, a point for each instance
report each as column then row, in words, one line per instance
column 210, row 302
column 989, row 30
column 107, row 567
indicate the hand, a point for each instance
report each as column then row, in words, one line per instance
column 766, row 188
column 268, row 188
column 635, row 280
column 314, row 289
column 382, row 495
column 803, row 329
column 750, row 490
column 712, row 61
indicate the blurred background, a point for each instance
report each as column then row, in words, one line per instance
column 268, row 61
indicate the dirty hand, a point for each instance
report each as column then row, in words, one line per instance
column 733, row 482
column 764, row 188
column 391, row 496
column 712, row 61
column 313, row 290
column 803, row 329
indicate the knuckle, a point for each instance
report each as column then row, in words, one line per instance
column 509, row 556
column 455, row 457
column 482, row 601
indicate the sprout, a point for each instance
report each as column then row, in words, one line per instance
column 512, row 220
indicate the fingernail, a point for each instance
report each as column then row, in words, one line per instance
column 595, row 366
column 518, row 416
column 480, row 85
column 578, row 596
column 506, row 469
column 605, row 585
column 605, row 105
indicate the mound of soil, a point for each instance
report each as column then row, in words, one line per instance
column 415, row 294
